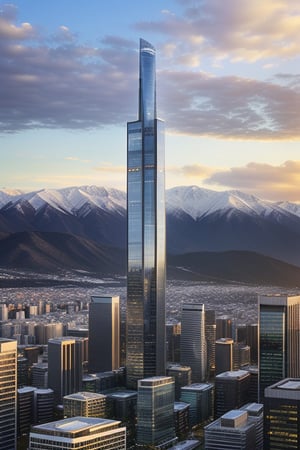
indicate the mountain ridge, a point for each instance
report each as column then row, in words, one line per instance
column 197, row 219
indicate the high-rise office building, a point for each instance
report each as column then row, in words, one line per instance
column 224, row 355
column 3, row 312
column 155, row 405
column 256, row 415
column 65, row 360
column 182, row 376
column 146, row 273
column 200, row 398
column 181, row 419
column 86, row 404
column 25, row 409
column 233, row 431
column 279, row 339
column 252, row 341
column 80, row 433
column 210, row 336
column 8, row 390
column 193, row 342
column 43, row 405
column 231, row 391
column 282, row 412
column 173, row 332
column 224, row 327
column 104, row 334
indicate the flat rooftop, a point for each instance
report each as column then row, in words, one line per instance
column 73, row 425
column 289, row 388
column 83, row 396
column 197, row 387
column 234, row 374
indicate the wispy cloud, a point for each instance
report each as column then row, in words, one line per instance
column 75, row 158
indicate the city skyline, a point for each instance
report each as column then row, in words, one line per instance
column 228, row 83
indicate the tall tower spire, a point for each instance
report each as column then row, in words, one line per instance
column 145, row 323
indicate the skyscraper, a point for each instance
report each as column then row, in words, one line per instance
column 282, row 412
column 279, row 339
column 224, row 355
column 8, row 390
column 193, row 342
column 65, row 358
column 145, row 323
column 104, row 334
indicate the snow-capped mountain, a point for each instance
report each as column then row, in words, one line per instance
column 198, row 203
column 197, row 219
column 70, row 200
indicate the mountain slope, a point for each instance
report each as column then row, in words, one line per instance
column 238, row 266
column 55, row 252
column 51, row 252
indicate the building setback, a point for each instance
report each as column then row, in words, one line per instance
column 146, row 272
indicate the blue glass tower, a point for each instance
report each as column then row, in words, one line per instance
column 145, row 323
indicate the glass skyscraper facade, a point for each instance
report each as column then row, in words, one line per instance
column 155, row 411
column 145, row 322
column 193, row 342
column 279, row 339
column 8, row 393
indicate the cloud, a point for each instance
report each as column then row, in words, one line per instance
column 191, row 171
column 230, row 107
column 109, row 168
column 74, row 158
column 266, row 180
column 234, row 29
column 57, row 82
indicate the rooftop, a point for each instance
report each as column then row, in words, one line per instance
column 84, row 396
column 73, row 425
column 234, row 374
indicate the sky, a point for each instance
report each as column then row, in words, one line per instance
column 228, row 89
